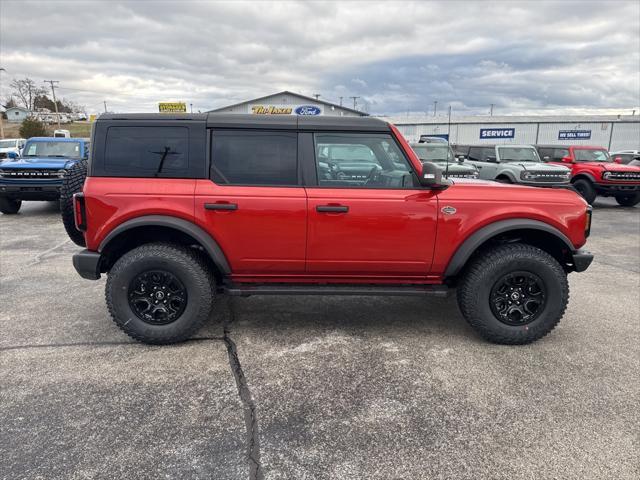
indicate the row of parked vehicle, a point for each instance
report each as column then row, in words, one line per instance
column 591, row 170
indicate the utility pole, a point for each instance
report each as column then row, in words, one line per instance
column 354, row 101
column 105, row 106
column 1, row 113
column 317, row 95
column 55, row 102
column 435, row 107
column 341, row 100
column 191, row 106
column 491, row 111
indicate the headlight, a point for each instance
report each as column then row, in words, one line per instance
column 606, row 175
column 528, row 176
column 473, row 174
column 62, row 173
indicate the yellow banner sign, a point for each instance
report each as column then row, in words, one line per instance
column 173, row 107
column 270, row 110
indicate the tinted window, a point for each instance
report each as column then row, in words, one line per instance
column 53, row 149
column 147, row 151
column 559, row 153
column 361, row 161
column 254, row 158
column 546, row 154
column 481, row 153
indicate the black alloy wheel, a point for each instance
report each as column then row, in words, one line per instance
column 518, row 298
column 157, row 297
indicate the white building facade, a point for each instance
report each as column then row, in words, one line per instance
column 289, row 103
column 614, row 132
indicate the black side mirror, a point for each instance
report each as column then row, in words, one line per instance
column 431, row 176
column 12, row 155
column 491, row 159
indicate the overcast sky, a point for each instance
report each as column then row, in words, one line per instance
column 528, row 57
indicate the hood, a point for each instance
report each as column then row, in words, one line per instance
column 38, row 162
column 538, row 166
column 612, row 166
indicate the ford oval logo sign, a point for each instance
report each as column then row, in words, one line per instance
column 307, row 110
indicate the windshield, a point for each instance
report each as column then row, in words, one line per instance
column 518, row 154
column 591, row 155
column 7, row 143
column 432, row 152
column 53, row 149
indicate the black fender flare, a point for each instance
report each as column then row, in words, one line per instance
column 201, row 236
column 585, row 175
column 471, row 244
column 507, row 174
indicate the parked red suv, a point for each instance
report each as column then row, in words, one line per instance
column 177, row 209
column 594, row 173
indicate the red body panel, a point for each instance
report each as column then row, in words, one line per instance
column 266, row 234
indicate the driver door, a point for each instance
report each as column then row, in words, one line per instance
column 369, row 222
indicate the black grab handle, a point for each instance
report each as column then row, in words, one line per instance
column 221, row 206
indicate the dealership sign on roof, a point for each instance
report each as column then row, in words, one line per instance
column 286, row 110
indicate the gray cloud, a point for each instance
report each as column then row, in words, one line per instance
column 397, row 56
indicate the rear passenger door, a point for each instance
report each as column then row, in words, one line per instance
column 253, row 203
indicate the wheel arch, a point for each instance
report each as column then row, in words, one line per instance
column 532, row 232
column 583, row 176
column 506, row 174
column 153, row 228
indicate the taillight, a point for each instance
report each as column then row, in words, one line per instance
column 80, row 212
column 587, row 226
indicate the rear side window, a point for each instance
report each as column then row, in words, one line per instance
column 254, row 158
column 147, row 151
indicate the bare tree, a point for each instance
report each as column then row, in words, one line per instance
column 25, row 91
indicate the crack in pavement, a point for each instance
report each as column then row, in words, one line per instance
column 96, row 344
column 250, row 415
column 39, row 257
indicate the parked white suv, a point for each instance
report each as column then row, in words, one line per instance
column 11, row 145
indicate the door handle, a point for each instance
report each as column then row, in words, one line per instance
column 332, row 208
column 220, row 206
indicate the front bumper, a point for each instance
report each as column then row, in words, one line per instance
column 613, row 188
column 544, row 184
column 87, row 264
column 581, row 260
column 30, row 190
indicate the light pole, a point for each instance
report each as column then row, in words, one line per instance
column 55, row 102
column 1, row 113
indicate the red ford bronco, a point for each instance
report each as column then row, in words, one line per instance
column 594, row 173
column 177, row 209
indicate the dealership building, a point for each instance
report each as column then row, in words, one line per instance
column 614, row 132
column 289, row 103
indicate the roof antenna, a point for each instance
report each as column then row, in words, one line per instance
column 446, row 170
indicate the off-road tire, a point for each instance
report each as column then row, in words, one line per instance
column 72, row 183
column 628, row 200
column 586, row 189
column 9, row 206
column 483, row 273
column 182, row 262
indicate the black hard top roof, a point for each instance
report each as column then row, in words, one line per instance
column 244, row 120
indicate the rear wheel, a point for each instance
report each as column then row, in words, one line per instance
column 514, row 294
column 72, row 183
column 585, row 188
column 628, row 200
column 160, row 293
column 9, row 206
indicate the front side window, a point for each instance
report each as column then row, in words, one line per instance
column 560, row 153
column 482, row 154
column 254, row 158
column 147, row 151
column 584, row 155
column 518, row 154
column 53, row 149
column 361, row 161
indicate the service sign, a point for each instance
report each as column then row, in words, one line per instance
column 486, row 133
column 574, row 135
column 173, row 107
column 285, row 110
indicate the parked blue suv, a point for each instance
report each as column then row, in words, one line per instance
column 38, row 173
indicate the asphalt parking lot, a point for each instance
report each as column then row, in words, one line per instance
column 311, row 387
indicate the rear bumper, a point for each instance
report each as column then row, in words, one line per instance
column 87, row 264
column 581, row 260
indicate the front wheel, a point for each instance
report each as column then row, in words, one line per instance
column 514, row 294
column 628, row 200
column 9, row 206
column 586, row 189
column 160, row 293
